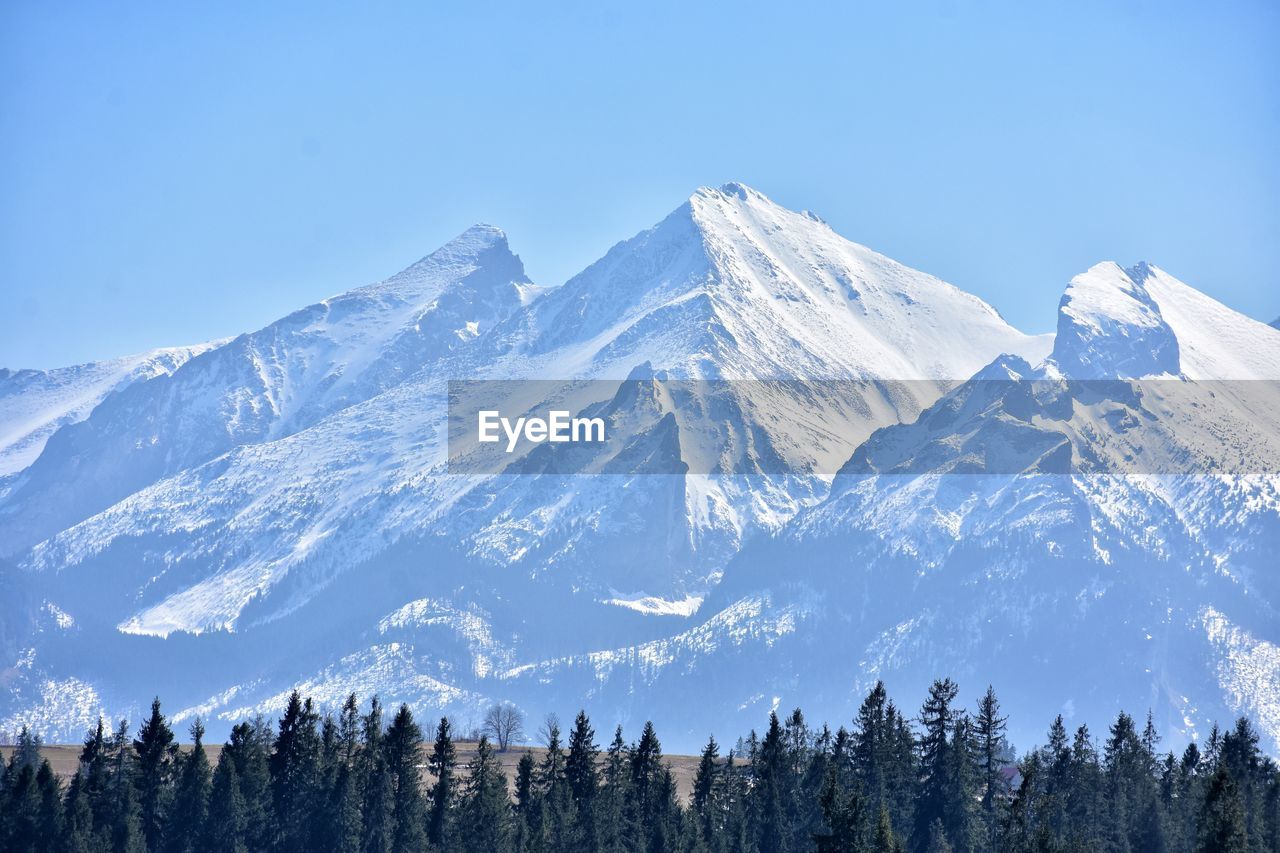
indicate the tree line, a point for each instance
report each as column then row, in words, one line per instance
column 943, row 780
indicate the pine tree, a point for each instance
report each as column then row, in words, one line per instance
column 26, row 751
column 962, row 786
column 553, row 793
column 227, row 820
column 769, row 772
column 583, row 779
column 379, row 828
column 937, row 785
column 122, row 803
column 78, row 828
column 900, row 768
column 704, row 787
column 49, row 820
column 1084, row 792
column 442, row 765
column 248, row 750
column 989, row 729
column 1222, row 827
column 886, row 840
column 844, row 818
column 403, row 749
column 732, row 801
column 526, row 805
column 346, row 824
column 295, row 764
column 870, row 745
column 349, row 730
column 19, row 810
column 190, row 807
column 611, row 805
column 1243, row 761
column 1129, row 782
column 484, row 820
column 156, row 758
column 330, row 761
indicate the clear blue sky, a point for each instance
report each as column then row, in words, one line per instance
column 172, row 174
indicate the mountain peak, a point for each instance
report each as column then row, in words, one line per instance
column 480, row 255
column 726, row 191
column 1128, row 323
column 1110, row 327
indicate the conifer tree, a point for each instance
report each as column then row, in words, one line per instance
column 295, row 765
column 1222, row 827
column 1084, row 797
column 732, row 798
column 989, row 729
column 124, row 811
column 19, row 810
column 646, row 772
column 50, row 821
column 403, row 748
column 611, row 804
column 78, row 828
column 156, row 759
column 900, row 769
column 330, row 761
column 886, row 840
column 870, row 745
column 1226, row 798
column 26, row 751
column 227, row 814
column 962, row 787
column 442, row 764
column 190, row 806
column 704, row 788
column 844, row 818
column 526, row 819
column 349, row 729
column 248, row 750
column 769, row 772
column 557, row 815
column 583, row 779
column 937, row 765
column 1128, row 782
column 484, row 820
column 376, row 781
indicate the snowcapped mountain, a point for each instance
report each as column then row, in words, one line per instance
column 267, row 385
column 35, row 403
column 281, row 510
column 1090, row 545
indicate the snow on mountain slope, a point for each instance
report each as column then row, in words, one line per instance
column 1029, row 522
column 732, row 285
column 1001, row 532
column 1118, row 323
column 1214, row 341
column 729, row 285
column 268, row 384
column 35, row 403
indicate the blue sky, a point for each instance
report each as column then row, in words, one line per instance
column 171, row 175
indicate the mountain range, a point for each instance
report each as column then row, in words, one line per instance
column 824, row 468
